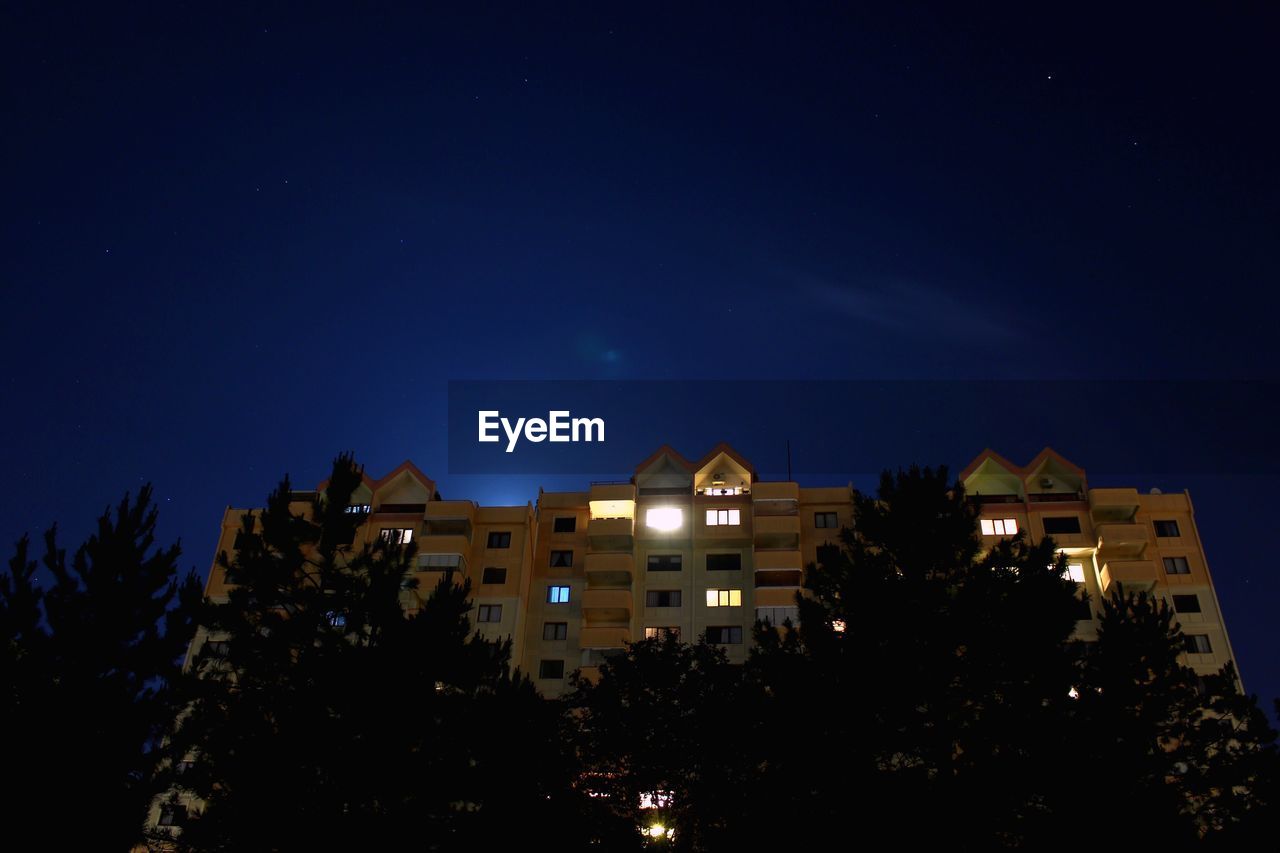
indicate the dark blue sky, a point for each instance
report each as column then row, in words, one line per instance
column 238, row 241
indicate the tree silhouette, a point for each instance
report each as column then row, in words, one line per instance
column 931, row 677
column 322, row 717
column 88, row 665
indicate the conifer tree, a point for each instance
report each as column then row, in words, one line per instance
column 320, row 716
column 88, row 663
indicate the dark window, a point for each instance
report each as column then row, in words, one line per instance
column 555, row 630
column 724, row 562
column 1176, row 566
column 561, row 559
column 665, row 562
column 492, row 575
column 826, row 519
column 565, row 524
column 1167, row 528
column 551, row 669
column 416, row 509
column 1186, row 603
column 216, row 648
column 1199, row 644
column 500, row 539
column 1062, row 524
column 662, row 598
column 726, row 634
column 558, row 594
column 490, row 613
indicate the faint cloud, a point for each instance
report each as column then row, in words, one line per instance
column 912, row 308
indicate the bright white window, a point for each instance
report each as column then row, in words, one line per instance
column 724, row 598
column 719, row 517
column 558, row 594
column 664, row 517
column 721, row 491
column 398, row 535
column 999, row 526
column 1075, row 571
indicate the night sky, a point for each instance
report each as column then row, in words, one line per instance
column 239, row 241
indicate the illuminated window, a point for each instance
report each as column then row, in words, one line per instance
column 561, row 559
column 724, row 598
column 720, row 491
column 397, row 535
column 1167, row 528
column 725, row 634
column 999, row 527
column 1199, row 644
column 555, row 630
column 826, row 519
column 1075, row 571
column 1176, row 566
column 838, row 626
column 358, row 508
column 500, row 539
column 336, row 619
column 724, row 562
column 723, row 517
column 558, row 595
column 493, row 575
column 664, row 517
column 551, row 669
column 1061, row 524
column 565, row 524
column 490, row 613
column 662, row 598
column 1189, row 603
column 660, row 632
column 665, row 562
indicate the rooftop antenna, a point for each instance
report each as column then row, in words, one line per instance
column 788, row 460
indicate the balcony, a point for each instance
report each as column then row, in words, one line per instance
column 451, row 510
column 766, row 492
column 604, row 637
column 1133, row 575
column 775, row 596
column 611, row 534
column 777, row 531
column 1118, row 539
column 792, row 578
column 610, row 563
column 785, row 559
column 1114, row 505
column 607, row 606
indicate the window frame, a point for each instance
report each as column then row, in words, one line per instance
column 490, row 610
column 732, row 515
column 558, row 631
column 572, row 526
column 553, row 594
column 485, row 575
column 498, row 537
column 822, row 517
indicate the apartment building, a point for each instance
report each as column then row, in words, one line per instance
column 706, row 547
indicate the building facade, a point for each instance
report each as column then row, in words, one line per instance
column 706, row 547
